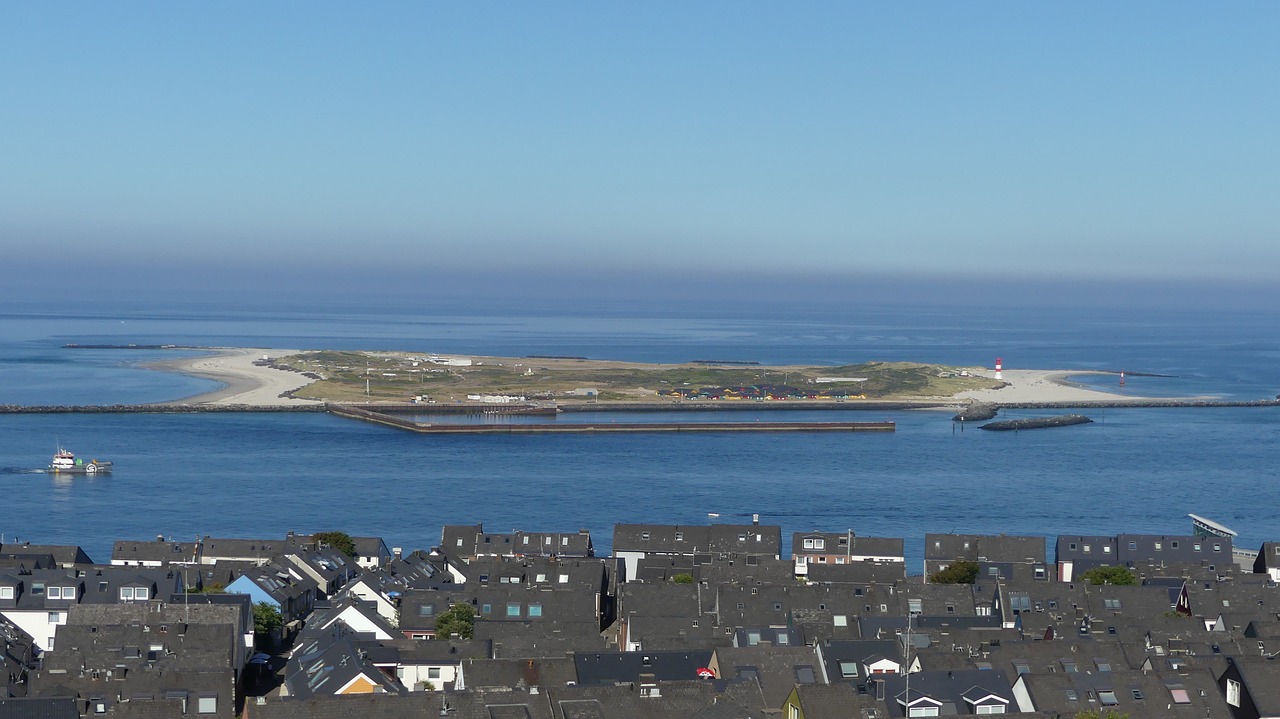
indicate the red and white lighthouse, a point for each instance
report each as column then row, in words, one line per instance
column 999, row 366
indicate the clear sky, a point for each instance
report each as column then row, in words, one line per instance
column 1082, row 140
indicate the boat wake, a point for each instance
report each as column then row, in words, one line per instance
column 22, row 470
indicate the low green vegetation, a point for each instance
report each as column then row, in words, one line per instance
column 367, row 376
column 1110, row 575
column 683, row 578
column 959, row 572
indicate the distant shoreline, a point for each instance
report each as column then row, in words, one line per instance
column 247, row 381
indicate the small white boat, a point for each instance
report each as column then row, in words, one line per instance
column 65, row 462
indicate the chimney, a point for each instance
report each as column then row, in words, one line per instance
column 396, row 552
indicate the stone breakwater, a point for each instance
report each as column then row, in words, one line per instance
column 154, row 408
column 1065, row 420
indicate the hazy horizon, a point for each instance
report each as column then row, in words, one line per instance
column 1120, row 153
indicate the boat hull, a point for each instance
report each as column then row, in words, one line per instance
column 91, row 468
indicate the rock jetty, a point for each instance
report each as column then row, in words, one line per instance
column 1062, row 420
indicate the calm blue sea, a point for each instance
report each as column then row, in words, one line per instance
column 1138, row 470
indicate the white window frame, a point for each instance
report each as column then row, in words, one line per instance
column 1233, row 692
column 6, row 592
column 207, row 705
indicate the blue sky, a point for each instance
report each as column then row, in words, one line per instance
column 1071, row 141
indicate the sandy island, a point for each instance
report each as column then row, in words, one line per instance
column 244, row 382
column 251, row 384
column 1029, row 386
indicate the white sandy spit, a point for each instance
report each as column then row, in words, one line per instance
column 1049, row 386
column 246, row 382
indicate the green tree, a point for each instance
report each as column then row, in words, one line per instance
column 340, row 541
column 266, row 619
column 683, row 578
column 959, row 572
column 1109, row 575
column 459, row 619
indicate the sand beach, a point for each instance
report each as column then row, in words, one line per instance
column 246, row 382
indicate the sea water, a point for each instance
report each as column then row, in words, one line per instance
column 260, row 475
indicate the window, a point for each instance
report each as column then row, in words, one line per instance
column 884, row 607
column 1159, row 546
column 989, row 709
column 808, row 544
column 484, row 578
column 207, row 705
column 840, row 620
column 1217, row 547
column 915, row 606
column 535, row 610
column 848, row 670
column 459, row 541
column 70, row 592
column 1106, row 549
column 1022, row 666
column 1103, row 666
column 513, row 609
column 1068, row 665
column 922, row 712
column 1088, row 548
column 1133, row 546
column 1233, row 694
column 1173, row 545
column 1108, row 698
column 526, row 540
column 1073, row 546
column 1072, row 696
column 486, row 609
column 564, row 578
column 1137, row 694
column 1195, row 547
column 817, row 543
column 55, row 592
column 433, row 672
column 679, row 536
column 140, row 593
column 644, row 535
column 426, row 610
column 6, row 592
column 37, row 589
column 547, row 540
column 55, row 617
column 540, row 578
column 126, row 594
column 1111, row 603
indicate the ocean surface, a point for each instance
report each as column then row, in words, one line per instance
column 260, row 475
